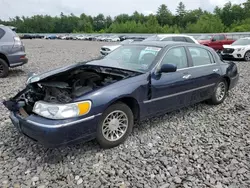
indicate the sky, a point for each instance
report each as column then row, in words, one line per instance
column 12, row 8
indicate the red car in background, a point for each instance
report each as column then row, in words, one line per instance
column 215, row 41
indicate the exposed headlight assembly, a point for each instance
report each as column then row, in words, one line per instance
column 61, row 111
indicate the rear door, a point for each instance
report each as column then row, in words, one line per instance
column 205, row 72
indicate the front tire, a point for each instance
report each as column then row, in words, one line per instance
column 219, row 93
column 4, row 69
column 115, row 125
column 247, row 56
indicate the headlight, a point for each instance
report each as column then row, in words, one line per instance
column 239, row 49
column 61, row 111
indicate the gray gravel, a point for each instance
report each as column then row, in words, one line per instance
column 199, row 146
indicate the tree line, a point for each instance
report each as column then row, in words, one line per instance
column 229, row 18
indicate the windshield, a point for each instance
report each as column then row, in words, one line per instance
column 135, row 58
column 241, row 42
column 204, row 37
column 153, row 38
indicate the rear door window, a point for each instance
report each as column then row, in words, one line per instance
column 2, row 32
column 222, row 37
column 200, row 56
column 179, row 39
column 168, row 39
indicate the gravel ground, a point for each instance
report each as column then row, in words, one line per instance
column 199, row 146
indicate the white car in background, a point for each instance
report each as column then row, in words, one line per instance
column 172, row 37
column 80, row 37
column 105, row 50
column 113, row 39
column 240, row 49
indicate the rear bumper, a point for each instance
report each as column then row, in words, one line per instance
column 54, row 133
column 22, row 62
column 16, row 60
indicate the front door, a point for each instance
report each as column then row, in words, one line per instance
column 169, row 91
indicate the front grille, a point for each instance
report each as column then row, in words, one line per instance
column 228, row 50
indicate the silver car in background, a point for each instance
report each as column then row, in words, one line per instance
column 105, row 50
column 12, row 51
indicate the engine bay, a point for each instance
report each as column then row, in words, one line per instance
column 65, row 87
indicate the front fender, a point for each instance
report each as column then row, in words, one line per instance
column 135, row 87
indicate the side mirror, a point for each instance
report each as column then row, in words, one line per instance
column 168, row 68
column 213, row 39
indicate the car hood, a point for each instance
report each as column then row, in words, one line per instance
column 234, row 46
column 97, row 62
column 111, row 47
column 203, row 41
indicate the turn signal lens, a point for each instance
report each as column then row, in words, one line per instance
column 84, row 107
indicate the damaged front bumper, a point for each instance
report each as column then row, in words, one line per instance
column 53, row 133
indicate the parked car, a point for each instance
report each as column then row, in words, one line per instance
column 109, row 48
column 112, row 39
column 240, row 49
column 26, row 36
column 12, row 51
column 103, row 98
column 172, row 37
column 215, row 41
column 80, row 37
column 50, row 37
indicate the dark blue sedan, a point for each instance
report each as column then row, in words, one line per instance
column 103, row 98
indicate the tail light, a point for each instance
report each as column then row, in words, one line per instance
column 17, row 41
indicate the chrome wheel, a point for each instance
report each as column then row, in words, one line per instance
column 247, row 56
column 115, row 125
column 220, row 91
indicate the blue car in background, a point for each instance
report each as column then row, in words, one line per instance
column 103, row 98
column 51, row 37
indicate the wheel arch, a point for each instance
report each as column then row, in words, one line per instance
column 2, row 56
column 246, row 53
column 227, row 79
column 132, row 103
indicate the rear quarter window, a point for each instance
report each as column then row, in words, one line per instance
column 189, row 40
column 2, row 32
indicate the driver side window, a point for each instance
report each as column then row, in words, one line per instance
column 176, row 56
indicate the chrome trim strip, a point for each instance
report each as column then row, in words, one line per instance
column 65, row 124
column 196, row 66
column 175, row 94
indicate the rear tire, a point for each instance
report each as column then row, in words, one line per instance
column 4, row 69
column 220, row 93
column 115, row 125
column 247, row 56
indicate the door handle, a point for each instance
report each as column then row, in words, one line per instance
column 215, row 70
column 187, row 76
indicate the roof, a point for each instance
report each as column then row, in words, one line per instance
column 161, row 44
column 172, row 35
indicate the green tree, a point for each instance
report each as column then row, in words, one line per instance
column 207, row 23
column 164, row 16
column 180, row 13
column 99, row 22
